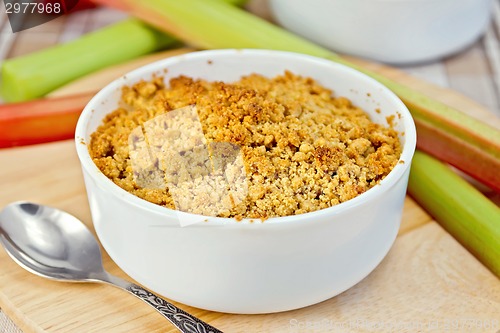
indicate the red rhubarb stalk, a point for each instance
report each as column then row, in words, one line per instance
column 39, row 121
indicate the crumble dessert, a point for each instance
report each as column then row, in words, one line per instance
column 256, row 148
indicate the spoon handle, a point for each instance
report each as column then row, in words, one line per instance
column 182, row 320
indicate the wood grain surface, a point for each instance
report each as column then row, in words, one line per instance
column 428, row 282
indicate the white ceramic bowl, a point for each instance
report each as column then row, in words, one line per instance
column 243, row 267
column 393, row 31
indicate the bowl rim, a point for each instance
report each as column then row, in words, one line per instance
column 101, row 180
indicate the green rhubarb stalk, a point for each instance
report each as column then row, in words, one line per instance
column 36, row 74
column 448, row 134
column 462, row 210
column 214, row 24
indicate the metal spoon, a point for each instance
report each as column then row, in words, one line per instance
column 56, row 245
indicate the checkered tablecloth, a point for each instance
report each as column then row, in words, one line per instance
column 7, row 325
column 475, row 72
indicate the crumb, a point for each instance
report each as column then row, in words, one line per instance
column 390, row 120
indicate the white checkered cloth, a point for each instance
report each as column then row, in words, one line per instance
column 6, row 325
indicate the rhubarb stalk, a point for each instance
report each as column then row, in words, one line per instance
column 450, row 135
column 36, row 74
column 462, row 210
column 45, row 120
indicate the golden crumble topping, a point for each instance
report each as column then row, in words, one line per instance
column 256, row 148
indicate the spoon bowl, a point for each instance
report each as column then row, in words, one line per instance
column 49, row 242
column 56, row 245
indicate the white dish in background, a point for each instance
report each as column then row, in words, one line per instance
column 392, row 31
column 242, row 267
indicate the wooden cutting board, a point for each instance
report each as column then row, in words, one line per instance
column 427, row 282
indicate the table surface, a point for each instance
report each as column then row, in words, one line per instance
column 474, row 72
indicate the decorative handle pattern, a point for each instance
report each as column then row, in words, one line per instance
column 185, row 322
